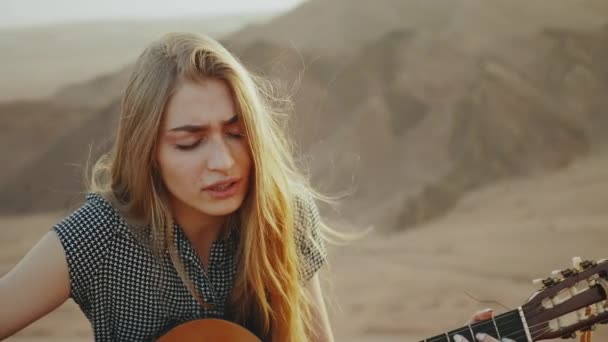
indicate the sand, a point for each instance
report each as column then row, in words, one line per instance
column 417, row 283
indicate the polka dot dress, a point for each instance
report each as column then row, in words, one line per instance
column 128, row 294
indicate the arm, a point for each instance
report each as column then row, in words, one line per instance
column 320, row 318
column 37, row 285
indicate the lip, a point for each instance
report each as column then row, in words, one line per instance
column 226, row 181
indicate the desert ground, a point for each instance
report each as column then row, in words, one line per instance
column 420, row 282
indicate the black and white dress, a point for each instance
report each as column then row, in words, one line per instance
column 128, row 295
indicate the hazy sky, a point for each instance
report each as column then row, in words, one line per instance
column 29, row 12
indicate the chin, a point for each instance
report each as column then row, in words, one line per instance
column 221, row 208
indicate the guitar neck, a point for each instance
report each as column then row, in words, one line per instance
column 509, row 324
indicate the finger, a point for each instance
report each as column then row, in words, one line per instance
column 481, row 337
column 459, row 338
column 481, row 315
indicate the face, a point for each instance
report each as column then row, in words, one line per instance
column 203, row 153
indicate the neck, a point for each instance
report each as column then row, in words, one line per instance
column 198, row 227
column 508, row 324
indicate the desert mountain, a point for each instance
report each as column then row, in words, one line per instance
column 340, row 27
column 408, row 103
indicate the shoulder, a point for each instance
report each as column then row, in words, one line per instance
column 306, row 211
column 308, row 236
column 87, row 235
column 94, row 221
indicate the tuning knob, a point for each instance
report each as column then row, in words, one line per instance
column 569, row 272
column 576, row 262
column 588, row 264
column 548, row 282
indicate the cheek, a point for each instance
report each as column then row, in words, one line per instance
column 243, row 157
column 177, row 166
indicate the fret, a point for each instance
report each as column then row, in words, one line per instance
column 524, row 323
column 438, row 338
column 498, row 337
column 487, row 327
column 465, row 332
column 509, row 324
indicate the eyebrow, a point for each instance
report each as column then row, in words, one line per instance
column 199, row 128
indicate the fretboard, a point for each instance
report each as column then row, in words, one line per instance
column 508, row 324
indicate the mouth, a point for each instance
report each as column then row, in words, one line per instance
column 223, row 189
column 219, row 186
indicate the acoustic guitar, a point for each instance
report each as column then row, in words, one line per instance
column 208, row 330
column 571, row 302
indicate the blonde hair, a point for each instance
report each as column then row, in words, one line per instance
column 127, row 176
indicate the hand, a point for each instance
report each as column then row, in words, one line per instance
column 481, row 316
column 478, row 317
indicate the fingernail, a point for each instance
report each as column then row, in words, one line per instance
column 458, row 338
column 486, row 310
column 480, row 336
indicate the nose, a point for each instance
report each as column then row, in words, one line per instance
column 220, row 156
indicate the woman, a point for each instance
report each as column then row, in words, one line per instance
column 198, row 211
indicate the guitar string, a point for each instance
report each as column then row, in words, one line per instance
column 523, row 331
column 520, row 333
column 537, row 332
column 529, row 328
column 534, row 333
column 536, row 306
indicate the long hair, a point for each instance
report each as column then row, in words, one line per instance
column 268, row 285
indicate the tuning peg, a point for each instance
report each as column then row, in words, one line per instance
column 548, row 282
column 569, row 272
column 585, row 264
column 557, row 276
column 538, row 281
column 576, row 262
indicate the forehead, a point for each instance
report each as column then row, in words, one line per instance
column 204, row 102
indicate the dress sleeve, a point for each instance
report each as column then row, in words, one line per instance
column 85, row 236
column 311, row 247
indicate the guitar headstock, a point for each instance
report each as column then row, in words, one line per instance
column 570, row 300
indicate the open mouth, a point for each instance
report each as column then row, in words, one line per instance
column 222, row 187
column 224, row 190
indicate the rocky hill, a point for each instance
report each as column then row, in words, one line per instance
column 409, row 104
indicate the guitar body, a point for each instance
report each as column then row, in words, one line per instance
column 209, row 330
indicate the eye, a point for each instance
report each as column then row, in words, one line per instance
column 188, row 147
column 237, row 134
